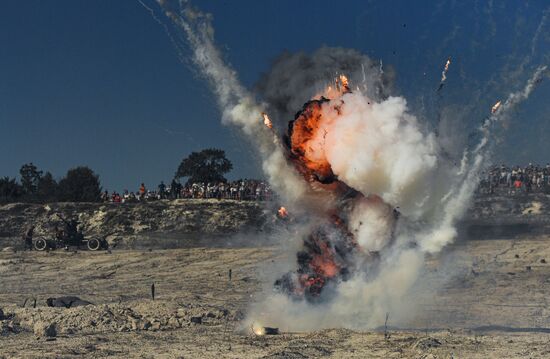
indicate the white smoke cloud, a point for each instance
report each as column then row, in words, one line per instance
column 377, row 148
column 371, row 222
column 359, row 302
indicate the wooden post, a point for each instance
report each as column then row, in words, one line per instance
column 386, row 334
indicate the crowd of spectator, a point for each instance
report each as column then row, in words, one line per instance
column 498, row 179
column 514, row 180
column 241, row 190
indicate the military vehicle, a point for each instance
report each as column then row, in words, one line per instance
column 69, row 236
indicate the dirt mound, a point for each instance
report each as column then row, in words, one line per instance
column 133, row 225
column 124, row 223
column 92, row 319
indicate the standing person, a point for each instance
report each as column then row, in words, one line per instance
column 233, row 191
column 162, row 190
column 173, row 189
column 517, row 184
column 27, row 237
column 58, row 233
column 179, row 190
column 528, row 185
column 221, row 190
column 241, row 191
column 258, row 192
column 142, row 191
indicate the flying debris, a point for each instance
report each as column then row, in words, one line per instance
column 444, row 74
column 282, row 212
column 267, row 121
column 341, row 86
column 345, row 83
column 495, row 107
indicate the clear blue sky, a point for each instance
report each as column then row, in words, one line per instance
column 98, row 83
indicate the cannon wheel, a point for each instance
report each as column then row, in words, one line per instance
column 40, row 244
column 94, row 244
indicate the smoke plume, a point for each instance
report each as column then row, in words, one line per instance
column 237, row 104
column 295, row 77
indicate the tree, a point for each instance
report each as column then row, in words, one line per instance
column 80, row 184
column 30, row 176
column 47, row 188
column 10, row 190
column 208, row 165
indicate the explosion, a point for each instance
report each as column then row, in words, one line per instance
column 331, row 251
column 373, row 188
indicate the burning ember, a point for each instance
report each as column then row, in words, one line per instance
column 495, row 107
column 282, row 212
column 447, row 65
column 267, row 121
column 444, row 74
column 345, row 83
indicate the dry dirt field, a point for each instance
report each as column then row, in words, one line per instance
column 494, row 305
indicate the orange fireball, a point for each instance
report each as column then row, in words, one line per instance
column 305, row 147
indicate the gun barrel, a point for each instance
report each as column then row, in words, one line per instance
column 61, row 217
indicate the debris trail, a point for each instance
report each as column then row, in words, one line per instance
column 495, row 107
column 237, row 104
column 177, row 46
column 444, row 74
column 456, row 201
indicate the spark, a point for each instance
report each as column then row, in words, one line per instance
column 495, row 107
column 267, row 121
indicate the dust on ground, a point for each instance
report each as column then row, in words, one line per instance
column 491, row 304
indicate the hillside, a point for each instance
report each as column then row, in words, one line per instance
column 126, row 223
column 134, row 224
column 504, row 216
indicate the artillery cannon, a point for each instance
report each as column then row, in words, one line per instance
column 70, row 235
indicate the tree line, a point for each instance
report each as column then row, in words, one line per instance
column 80, row 184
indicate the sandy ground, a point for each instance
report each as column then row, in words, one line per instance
column 490, row 301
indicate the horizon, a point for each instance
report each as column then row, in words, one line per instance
column 153, row 186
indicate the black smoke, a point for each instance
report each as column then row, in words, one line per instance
column 294, row 78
